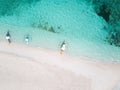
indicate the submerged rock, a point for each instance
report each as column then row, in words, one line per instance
column 114, row 38
column 104, row 12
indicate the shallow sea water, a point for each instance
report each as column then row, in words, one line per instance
column 49, row 22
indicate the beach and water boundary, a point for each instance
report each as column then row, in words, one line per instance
column 94, row 49
column 89, row 61
column 49, row 23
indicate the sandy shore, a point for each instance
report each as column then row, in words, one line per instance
column 26, row 68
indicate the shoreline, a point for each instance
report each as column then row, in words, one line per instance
column 93, row 49
column 102, row 75
column 75, row 47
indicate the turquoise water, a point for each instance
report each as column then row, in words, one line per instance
column 49, row 22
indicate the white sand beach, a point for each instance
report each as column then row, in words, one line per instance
column 24, row 67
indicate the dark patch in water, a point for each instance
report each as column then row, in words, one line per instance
column 104, row 12
column 114, row 38
column 45, row 26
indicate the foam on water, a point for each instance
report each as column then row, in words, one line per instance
column 73, row 20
